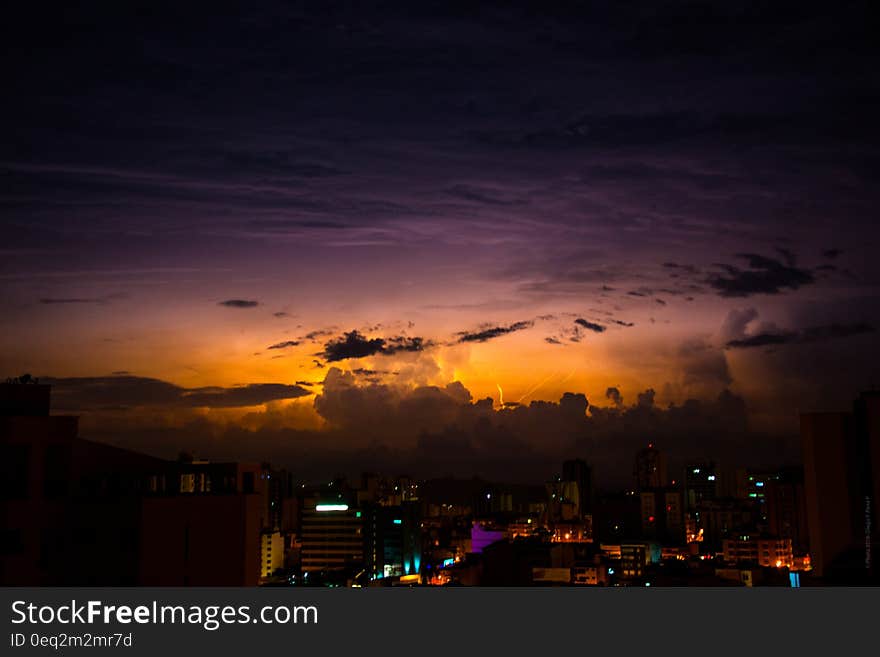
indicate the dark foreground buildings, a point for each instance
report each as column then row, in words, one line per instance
column 80, row 513
column 841, row 453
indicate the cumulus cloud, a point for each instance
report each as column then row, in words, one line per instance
column 645, row 399
column 426, row 430
column 614, row 395
column 703, row 364
column 736, row 323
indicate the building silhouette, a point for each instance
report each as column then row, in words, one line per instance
column 649, row 470
column 80, row 513
column 840, row 454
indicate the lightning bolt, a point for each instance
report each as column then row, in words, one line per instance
column 500, row 395
column 536, row 387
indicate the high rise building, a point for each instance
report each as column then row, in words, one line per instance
column 662, row 515
column 578, row 471
column 701, row 482
column 841, row 452
column 392, row 540
column 649, row 470
column 332, row 537
column 786, row 510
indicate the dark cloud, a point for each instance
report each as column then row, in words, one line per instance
column 249, row 395
column 787, row 255
column 283, row 345
column 492, row 332
column 688, row 269
column 590, row 326
column 293, row 226
column 763, row 276
column 480, row 195
column 355, row 345
column 320, row 333
column 614, row 395
column 62, row 300
column 280, row 314
column 121, row 392
column 278, row 162
column 807, row 335
column 620, row 322
column 832, row 253
column 239, row 303
column 645, row 399
column 539, row 430
column 551, row 340
column 432, row 430
column 703, row 366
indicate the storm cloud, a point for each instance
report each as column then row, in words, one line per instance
column 762, row 276
column 803, row 336
column 122, row 392
column 354, row 345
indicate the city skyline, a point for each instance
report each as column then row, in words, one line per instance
column 192, row 521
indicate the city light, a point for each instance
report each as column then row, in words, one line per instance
column 331, row 507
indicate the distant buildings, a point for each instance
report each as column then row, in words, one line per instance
column 701, row 483
column 761, row 550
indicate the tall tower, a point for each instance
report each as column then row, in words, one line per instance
column 649, row 470
column 578, row 471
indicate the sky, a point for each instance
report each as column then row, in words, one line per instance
column 327, row 232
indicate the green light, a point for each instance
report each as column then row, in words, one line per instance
column 398, row 521
column 357, row 514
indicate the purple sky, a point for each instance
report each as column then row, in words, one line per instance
column 523, row 199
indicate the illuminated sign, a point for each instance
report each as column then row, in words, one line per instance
column 398, row 521
column 331, row 507
column 448, row 562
